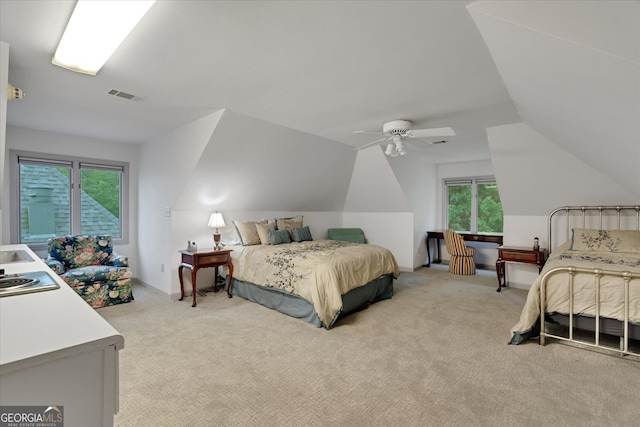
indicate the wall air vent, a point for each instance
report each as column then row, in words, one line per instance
column 125, row 95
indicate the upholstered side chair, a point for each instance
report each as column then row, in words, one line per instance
column 461, row 261
column 89, row 265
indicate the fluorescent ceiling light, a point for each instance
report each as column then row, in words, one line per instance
column 95, row 31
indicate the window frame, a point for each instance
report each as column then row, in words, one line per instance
column 473, row 181
column 76, row 165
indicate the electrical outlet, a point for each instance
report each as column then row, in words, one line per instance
column 167, row 211
column 162, row 267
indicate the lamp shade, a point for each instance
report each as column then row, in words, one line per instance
column 216, row 220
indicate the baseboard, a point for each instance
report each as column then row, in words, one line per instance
column 152, row 288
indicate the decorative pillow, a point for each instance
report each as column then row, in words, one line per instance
column 230, row 236
column 289, row 223
column 277, row 237
column 263, row 232
column 301, row 234
column 248, row 231
column 619, row 241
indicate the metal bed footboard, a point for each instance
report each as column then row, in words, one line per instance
column 597, row 276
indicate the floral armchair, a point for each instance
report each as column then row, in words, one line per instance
column 88, row 264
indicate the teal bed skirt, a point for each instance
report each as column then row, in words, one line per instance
column 293, row 305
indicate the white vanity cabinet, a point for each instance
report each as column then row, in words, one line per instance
column 55, row 350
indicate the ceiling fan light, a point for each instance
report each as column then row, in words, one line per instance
column 391, row 150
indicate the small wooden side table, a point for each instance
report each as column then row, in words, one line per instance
column 205, row 258
column 520, row 255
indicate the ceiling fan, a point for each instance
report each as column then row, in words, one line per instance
column 397, row 131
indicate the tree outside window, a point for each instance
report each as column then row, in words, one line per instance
column 59, row 196
column 473, row 206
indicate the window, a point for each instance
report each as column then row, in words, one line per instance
column 55, row 196
column 473, row 205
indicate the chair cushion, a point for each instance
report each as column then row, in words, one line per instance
column 102, row 294
column 96, row 273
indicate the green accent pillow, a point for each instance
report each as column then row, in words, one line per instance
column 355, row 235
column 301, row 234
column 277, row 237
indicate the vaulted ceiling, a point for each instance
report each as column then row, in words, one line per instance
column 569, row 69
column 324, row 68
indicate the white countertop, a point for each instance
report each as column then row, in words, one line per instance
column 43, row 326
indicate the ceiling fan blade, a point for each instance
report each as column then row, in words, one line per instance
column 377, row 141
column 368, row 131
column 434, row 132
column 423, row 140
column 430, row 143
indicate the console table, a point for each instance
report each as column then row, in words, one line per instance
column 439, row 234
column 517, row 254
column 195, row 260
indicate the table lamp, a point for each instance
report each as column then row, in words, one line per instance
column 216, row 221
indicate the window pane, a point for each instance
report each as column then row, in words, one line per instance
column 44, row 202
column 489, row 209
column 100, row 202
column 459, row 208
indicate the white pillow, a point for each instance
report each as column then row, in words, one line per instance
column 289, row 224
column 248, row 231
column 263, row 231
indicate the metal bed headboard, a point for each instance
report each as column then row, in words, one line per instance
column 601, row 211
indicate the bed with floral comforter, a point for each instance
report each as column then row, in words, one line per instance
column 317, row 280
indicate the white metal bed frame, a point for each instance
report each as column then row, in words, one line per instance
column 597, row 275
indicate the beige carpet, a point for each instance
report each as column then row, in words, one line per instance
column 434, row 355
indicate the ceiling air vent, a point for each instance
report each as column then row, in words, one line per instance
column 125, row 95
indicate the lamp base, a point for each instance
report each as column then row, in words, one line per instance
column 216, row 241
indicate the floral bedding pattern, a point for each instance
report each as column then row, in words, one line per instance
column 601, row 258
column 287, row 257
column 320, row 271
column 89, row 265
column 597, row 240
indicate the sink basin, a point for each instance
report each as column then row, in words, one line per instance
column 19, row 255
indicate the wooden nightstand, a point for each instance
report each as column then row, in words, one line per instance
column 517, row 254
column 204, row 258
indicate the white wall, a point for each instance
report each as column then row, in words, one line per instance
column 23, row 139
column 391, row 230
column 418, row 179
column 377, row 204
column 572, row 70
column 165, row 165
column 535, row 176
column 245, row 168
